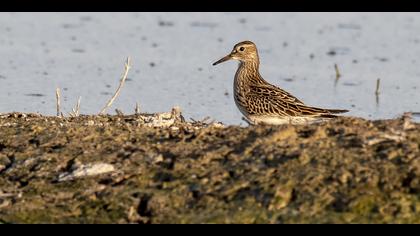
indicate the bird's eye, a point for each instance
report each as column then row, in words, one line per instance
column 241, row 49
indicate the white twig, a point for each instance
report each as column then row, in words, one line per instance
column 123, row 78
column 76, row 110
column 58, row 102
column 78, row 106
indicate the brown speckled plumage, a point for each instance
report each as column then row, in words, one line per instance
column 262, row 102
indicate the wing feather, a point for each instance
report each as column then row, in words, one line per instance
column 263, row 99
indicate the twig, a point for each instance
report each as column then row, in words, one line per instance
column 78, row 106
column 177, row 114
column 76, row 110
column 378, row 83
column 117, row 92
column 202, row 121
column 119, row 112
column 337, row 72
column 337, row 75
column 137, row 110
column 58, row 102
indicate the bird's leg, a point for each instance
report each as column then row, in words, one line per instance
column 247, row 121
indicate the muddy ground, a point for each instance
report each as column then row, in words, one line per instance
column 127, row 169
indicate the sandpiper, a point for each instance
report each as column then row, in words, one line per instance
column 263, row 103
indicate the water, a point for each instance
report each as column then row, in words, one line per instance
column 172, row 53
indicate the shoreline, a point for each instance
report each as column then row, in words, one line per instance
column 158, row 168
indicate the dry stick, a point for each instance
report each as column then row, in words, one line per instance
column 123, row 78
column 119, row 112
column 378, row 83
column 337, row 72
column 76, row 110
column 58, row 103
column 137, row 110
column 337, row 75
column 78, row 106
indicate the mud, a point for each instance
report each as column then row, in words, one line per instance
column 123, row 169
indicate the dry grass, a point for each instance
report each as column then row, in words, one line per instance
column 127, row 67
column 58, row 100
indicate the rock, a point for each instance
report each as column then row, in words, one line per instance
column 86, row 170
column 282, row 197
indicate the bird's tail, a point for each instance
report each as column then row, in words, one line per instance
column 331, row 113
column 337, row 111
column 320, row 112
column 317, row 110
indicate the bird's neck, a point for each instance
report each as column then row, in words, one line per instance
column 250, row 66
column 248, row 72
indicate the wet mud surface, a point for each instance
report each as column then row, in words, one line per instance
column 127, row 169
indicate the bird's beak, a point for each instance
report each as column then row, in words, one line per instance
column 226, row 58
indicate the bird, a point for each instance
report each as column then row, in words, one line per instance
column 263, row 103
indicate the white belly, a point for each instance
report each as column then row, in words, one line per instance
column 275, row 120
